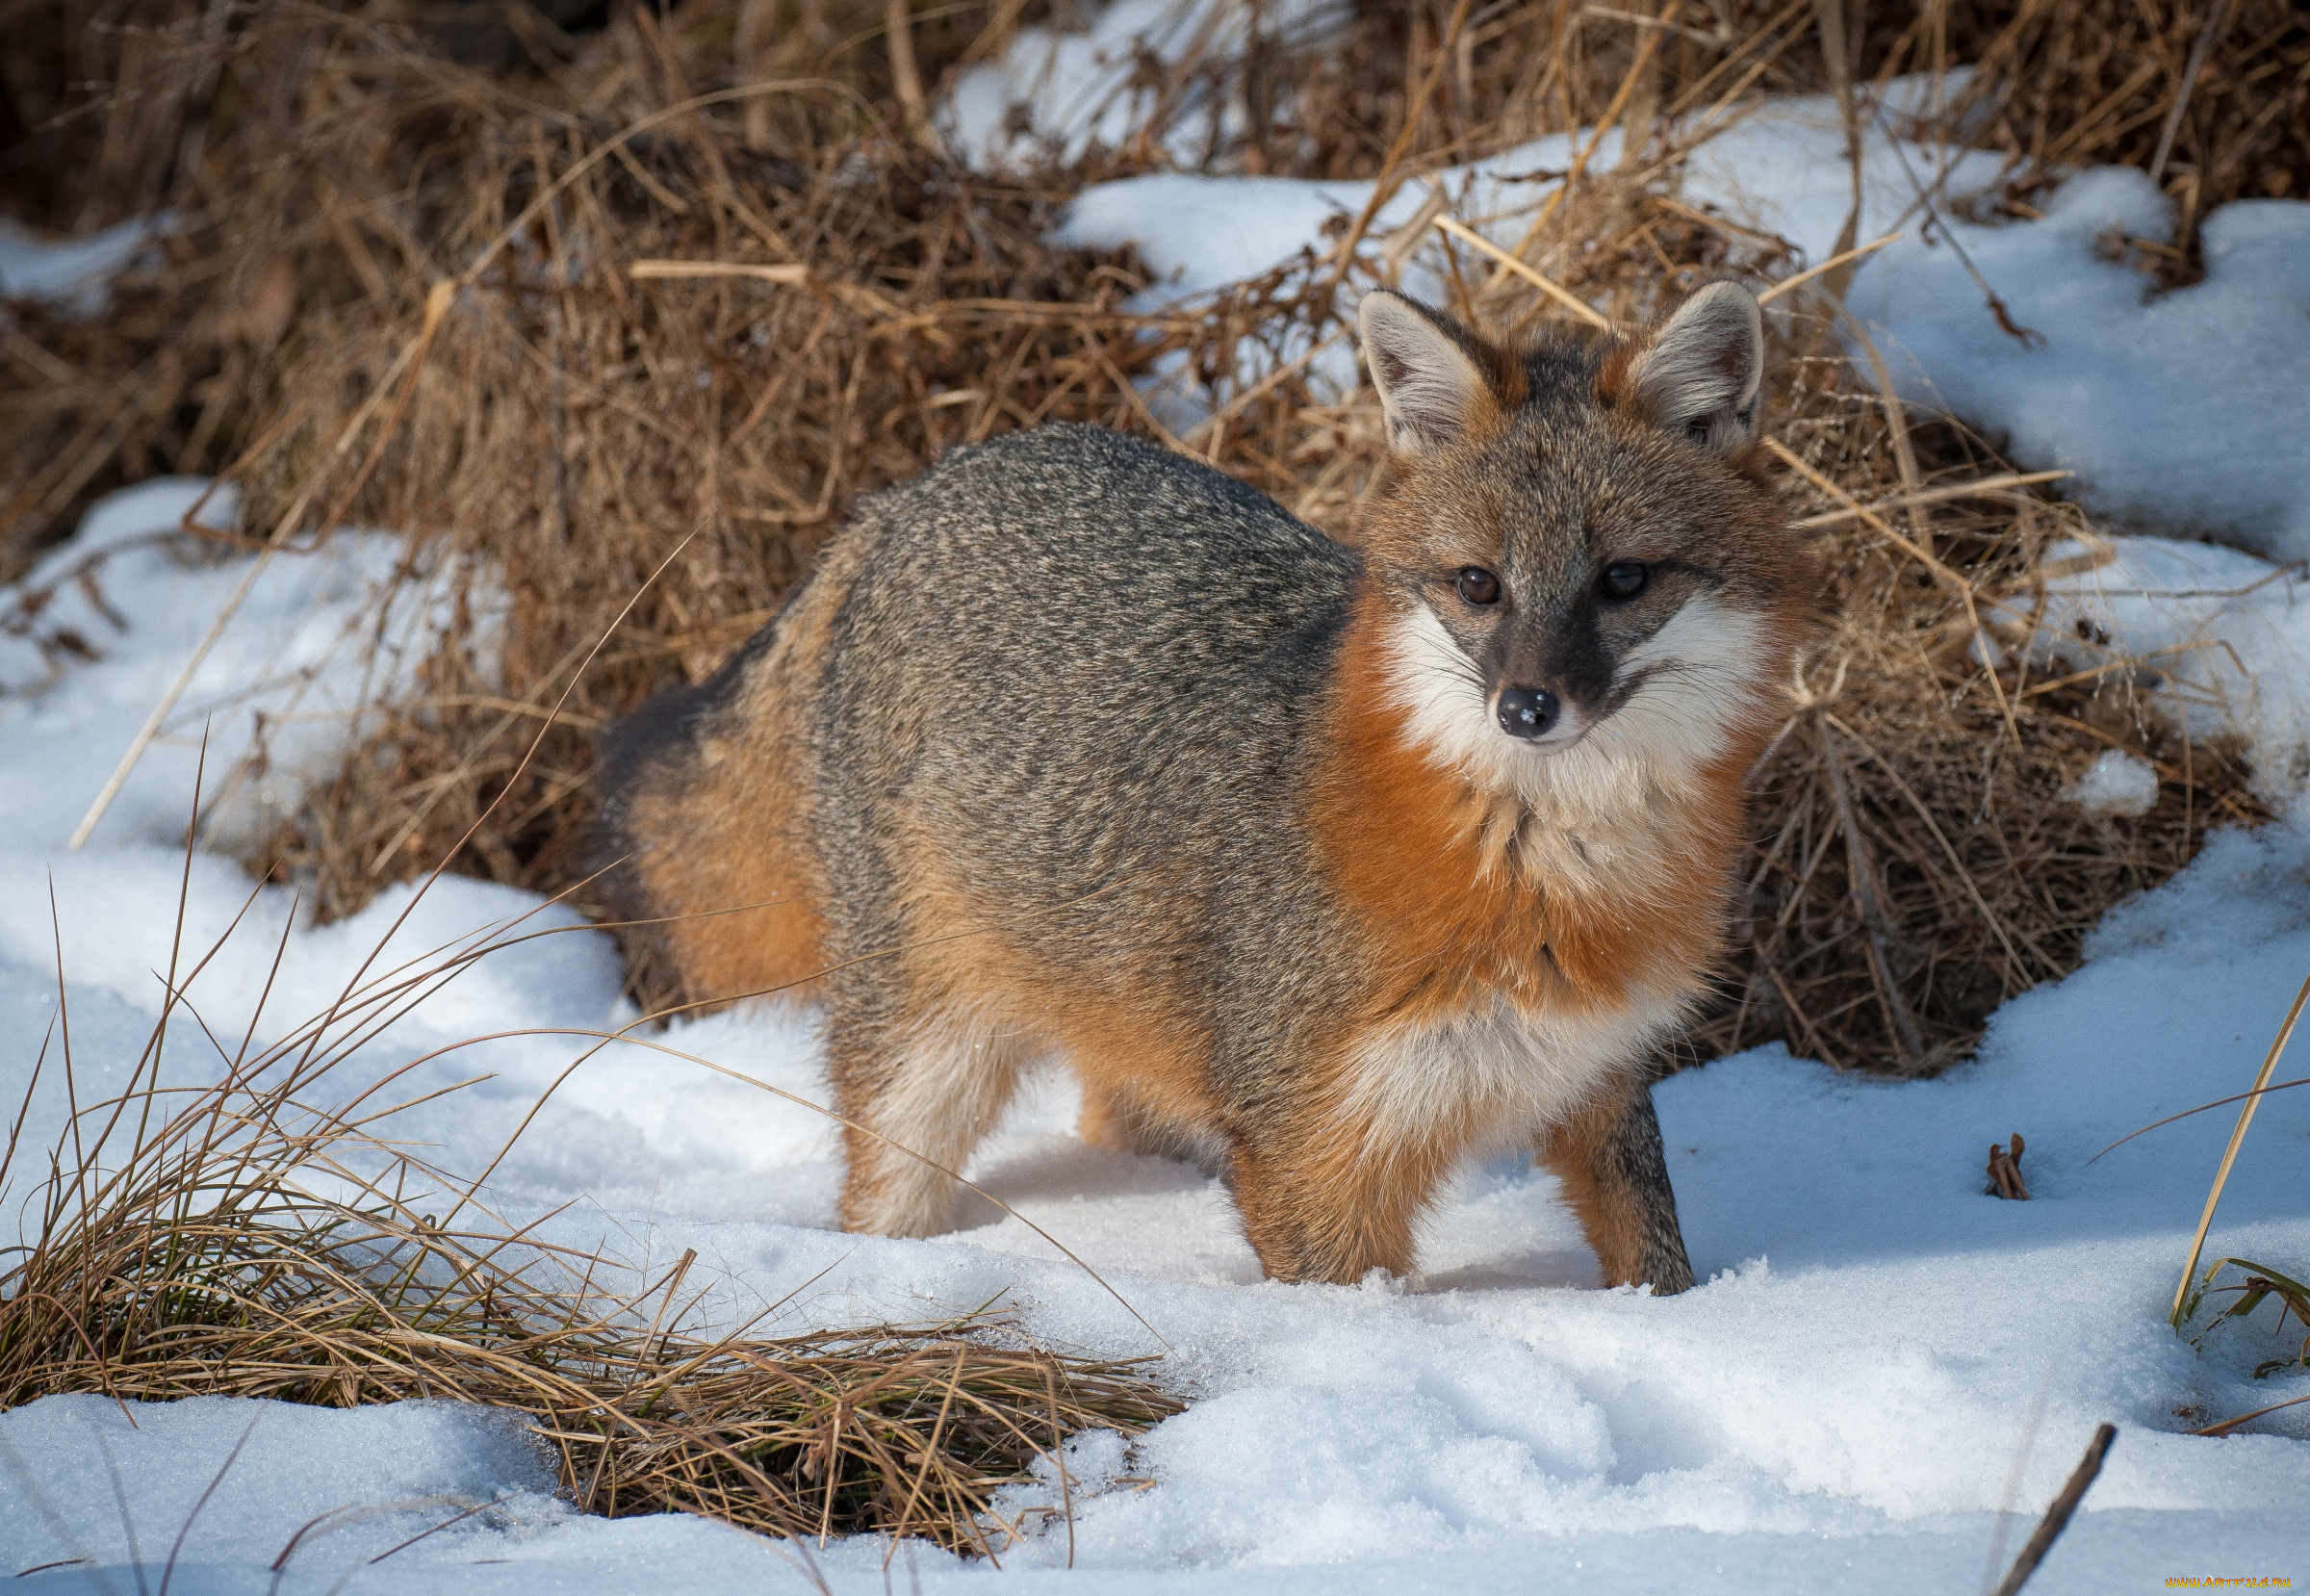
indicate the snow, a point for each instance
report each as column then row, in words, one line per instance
column 1882, row 1361
column 1199, row 234
column 2122, row 385
column 346, row 1495
column 76, row 273
column 2116, row 782
column 285, row 680
column 332, row 1494
column 2225, row 634
column 1056, row 93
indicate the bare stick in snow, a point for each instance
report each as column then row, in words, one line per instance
column 2056, row 1517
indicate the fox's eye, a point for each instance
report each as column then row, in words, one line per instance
column 1479, row 586
column 1623, row 579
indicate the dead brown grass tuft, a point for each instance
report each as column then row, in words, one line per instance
column 2211, row 99
column 845, row 303
column 263, row 1237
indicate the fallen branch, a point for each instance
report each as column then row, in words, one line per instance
column 2056, row 1517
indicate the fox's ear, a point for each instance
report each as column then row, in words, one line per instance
column 1702, row 371
column 1431, row 384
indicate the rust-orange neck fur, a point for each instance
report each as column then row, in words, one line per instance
column 1454, row 885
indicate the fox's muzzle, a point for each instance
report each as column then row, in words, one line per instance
column 1528, row 713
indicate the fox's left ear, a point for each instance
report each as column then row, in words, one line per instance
column 1701, row 374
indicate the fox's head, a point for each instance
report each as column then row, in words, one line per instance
column 1584, row 575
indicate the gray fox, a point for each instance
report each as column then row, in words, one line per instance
column 1343, row 862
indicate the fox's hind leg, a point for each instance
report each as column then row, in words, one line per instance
column 1615, row 1175
column 1118, row 1122
column 933, row 1086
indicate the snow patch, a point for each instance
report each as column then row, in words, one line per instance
column 74, row 273
column 2184, row 411
column 1055, row 94
column 2221, row 634
column 93, row 639
column 2116, row 782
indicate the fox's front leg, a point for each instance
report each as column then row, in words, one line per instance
column 1615, row 1175
column 1330, row 1203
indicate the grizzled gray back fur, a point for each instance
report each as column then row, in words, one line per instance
column 1096, row 671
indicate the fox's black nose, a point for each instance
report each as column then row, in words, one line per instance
column 1528, row 711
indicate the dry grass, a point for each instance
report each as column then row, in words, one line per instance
column 2261, row 1283
column 2212, row 99
column 262, row 1237
column 576, row 419
column 1917, row 864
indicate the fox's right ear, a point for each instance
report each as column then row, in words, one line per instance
column 1431, row 387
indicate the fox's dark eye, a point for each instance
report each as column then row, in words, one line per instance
column 1623, row 579
column 1479, row 586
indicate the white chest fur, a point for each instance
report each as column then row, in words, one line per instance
column 1499, row 1074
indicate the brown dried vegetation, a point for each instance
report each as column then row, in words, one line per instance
column 847, row 301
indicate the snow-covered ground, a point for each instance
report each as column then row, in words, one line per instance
column 1881, row 1359
column 2226, row 634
